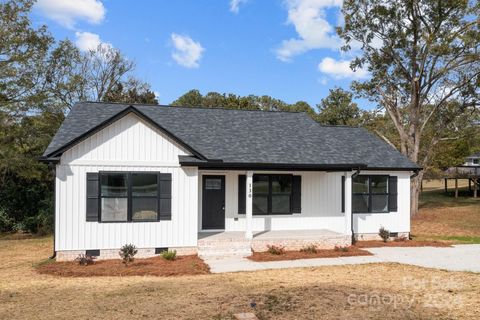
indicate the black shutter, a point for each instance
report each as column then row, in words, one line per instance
column 242, row 193
column 392, row 193
column 165, row 196
column 343, row 193
column 92, row 197
column 296, row 194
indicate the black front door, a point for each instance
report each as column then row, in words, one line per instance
column 213, row 202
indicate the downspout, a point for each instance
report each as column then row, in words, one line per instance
column 53, row 167
column 354, row 175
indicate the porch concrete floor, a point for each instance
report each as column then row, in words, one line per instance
column 267, row 235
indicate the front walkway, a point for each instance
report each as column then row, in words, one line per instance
column 456, row 258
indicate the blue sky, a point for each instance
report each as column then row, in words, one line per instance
column 286, row 49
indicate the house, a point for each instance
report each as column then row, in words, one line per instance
column 217, row 181
column 473, row 160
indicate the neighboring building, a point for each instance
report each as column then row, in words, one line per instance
column 473, row 160
column 170, row 177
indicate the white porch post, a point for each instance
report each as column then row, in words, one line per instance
column 248, row 207
column 348, row 203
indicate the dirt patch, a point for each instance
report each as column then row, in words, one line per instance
column 157, row 266
column 459, row 221
column 19, row 236
column 330, row 292
column 295, row 255
column 407, row 243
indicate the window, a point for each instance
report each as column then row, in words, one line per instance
column 475, row 161
column 213, row 184
column 144, row 196
column 272, row 194
column 129, row 196
column 370, row 194
column 114, row 197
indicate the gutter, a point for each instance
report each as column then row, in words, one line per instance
column 49, row 160
column 415, row 173
column 218, row 164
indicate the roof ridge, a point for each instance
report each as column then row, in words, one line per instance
column 186, row 107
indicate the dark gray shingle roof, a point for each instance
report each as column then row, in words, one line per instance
column 245, row 136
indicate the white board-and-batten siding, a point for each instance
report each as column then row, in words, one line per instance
column 129, row 144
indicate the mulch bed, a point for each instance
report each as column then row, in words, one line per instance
column 294, row 255
column 405, row 243
column 156, row 266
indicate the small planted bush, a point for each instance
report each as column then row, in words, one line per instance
column 341, row 249
column 276, row 250
column 127, row 252
column 311, row 248
column 85, row 259
column 169, row 255
column 384, row 234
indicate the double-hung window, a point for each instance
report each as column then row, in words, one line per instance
column 272, row 194
column 129, row 196
column 370, row 194
column 114, row 196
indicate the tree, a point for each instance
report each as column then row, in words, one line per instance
column 192, row 98
column 39, row 81
column 231, row 101
column 338, row 109
column 91, row 76
column 421, row 54
column 23, row 50
column 131, row 91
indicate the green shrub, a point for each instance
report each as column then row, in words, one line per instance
column 276, row 250
column 85, row 259
column 169, row 254
column 341, row 249
column 384, row 234
column 127, row 252
column 6, row 223
column 311, row 248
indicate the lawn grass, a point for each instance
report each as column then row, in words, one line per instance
column 331, row 292
column 438, row 199
column 459, row 239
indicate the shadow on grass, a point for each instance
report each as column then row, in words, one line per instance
column 438, row 198
column 452, row 239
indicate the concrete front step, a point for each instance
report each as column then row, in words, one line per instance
column 224, row 255
column 224, row 245
column 224, row 249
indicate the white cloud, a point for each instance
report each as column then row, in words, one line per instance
column 68, row 12
column 340, row 69
column 314, row 31
column 89, row 41
column 235, row 5
column 187, row 52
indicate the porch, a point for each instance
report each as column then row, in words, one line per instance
column 261, row 206
column 216, row 244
